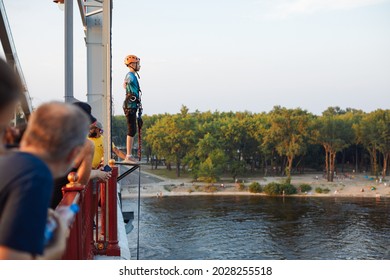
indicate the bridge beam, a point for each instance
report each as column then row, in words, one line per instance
column 97, row 16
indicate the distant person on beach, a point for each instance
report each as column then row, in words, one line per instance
column 132, row 103
column 55, row 135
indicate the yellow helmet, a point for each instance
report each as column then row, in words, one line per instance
column 131, row 59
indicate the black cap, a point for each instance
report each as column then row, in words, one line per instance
column 87, row 109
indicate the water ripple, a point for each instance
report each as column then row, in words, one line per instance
column 263, row 228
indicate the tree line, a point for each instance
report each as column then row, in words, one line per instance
column 280, row 142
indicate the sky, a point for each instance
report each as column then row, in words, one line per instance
column 221, row 55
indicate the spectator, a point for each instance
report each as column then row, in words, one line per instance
column 87, row 163
column 81, row 165
column 115, row 149
column 97, row 138
column 95, row 135
column 10, row 93
column 13, row 136
column 54, row 136
column 84, row 161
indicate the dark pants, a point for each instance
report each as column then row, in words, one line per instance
column 131, row 122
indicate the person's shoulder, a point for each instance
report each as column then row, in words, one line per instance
column 97, row 141
column 88, row 148
column 18, row 158
column 132, row 76
column 30, row 158
column 92, row 143
column 100, row 140
column 89, row 144
column 128, row 75
column 25, row 170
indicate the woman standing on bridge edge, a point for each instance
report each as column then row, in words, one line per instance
column 132, row 103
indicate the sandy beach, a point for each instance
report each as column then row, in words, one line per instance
column 359, row 185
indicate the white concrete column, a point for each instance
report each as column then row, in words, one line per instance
column 68, row 51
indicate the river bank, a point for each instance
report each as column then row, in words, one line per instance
column 359, row 185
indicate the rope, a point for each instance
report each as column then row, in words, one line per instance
column 139, row 143
column 139, row 208
column 139, row 124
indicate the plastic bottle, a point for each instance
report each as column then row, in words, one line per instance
column 66, row 213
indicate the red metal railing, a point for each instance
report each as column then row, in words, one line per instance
column 82, row 243
column 112, row 221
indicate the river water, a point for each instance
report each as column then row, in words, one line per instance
column 257, row 227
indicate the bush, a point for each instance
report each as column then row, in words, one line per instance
column 305, row 187
column 287, row 188
column 240, row 186
column 255, row 187
column 272, row 188
column 326, row 190
column 318, row 190
column 207, row 179
column 210, row 188
column 278, row 189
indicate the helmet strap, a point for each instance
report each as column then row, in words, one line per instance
column 136, row 72
column 135, row 69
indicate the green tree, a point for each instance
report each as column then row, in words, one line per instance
column 334, row 133
column 258, row 131
column 288, row 133
column 119, row 130
column 366, row 135
column 172, row 137
column 374, row 133
column 383, row 117
column 238, row 141
column 148, row 122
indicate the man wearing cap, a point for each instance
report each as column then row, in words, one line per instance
column 99, row 134
column 97, row 139
column 87, row 109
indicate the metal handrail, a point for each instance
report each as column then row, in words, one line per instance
column 82, row 244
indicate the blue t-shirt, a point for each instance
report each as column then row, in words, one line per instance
column 132, row 86
column 25, row 192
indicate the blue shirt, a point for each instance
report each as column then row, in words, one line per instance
column 132, row 86
column 25, row 191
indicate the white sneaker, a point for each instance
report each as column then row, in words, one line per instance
column 130, row 159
